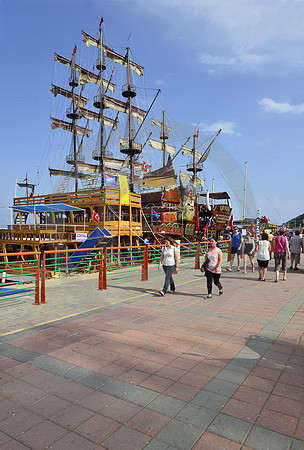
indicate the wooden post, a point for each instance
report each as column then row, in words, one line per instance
column 43, row 273
column 37, row 287
column 104, row 270
column 100, row 272
column 197, row 256
column 144, row 272
column 229, row 251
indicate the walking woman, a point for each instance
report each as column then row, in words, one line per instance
column 214, row 267
column 281, row 251
column 263, row 249
column 169, row 261
column 247, row 250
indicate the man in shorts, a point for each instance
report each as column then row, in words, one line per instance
column 236, row 248
column 296, row 246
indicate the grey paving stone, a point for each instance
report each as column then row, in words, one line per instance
column 242, row 365
column 231, row 376
column 196, row 415
column 77, row 373
column 115, row 387
column 221, row 387
column 297, row 444
column 210, row 400
column 166, row 405
column 140, row 396
column 259, row 346
column 179, row 434
column 230, row 428
column 26, row 355
column 260, row 438
column 158, row 445
column 95, row 380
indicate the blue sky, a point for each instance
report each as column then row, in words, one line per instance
column 228, row 64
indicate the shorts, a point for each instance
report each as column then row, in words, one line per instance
column 278, row 257
column 263, row 263
column 235, row 250
column 295, row 257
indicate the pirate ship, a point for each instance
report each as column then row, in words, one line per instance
column 116, row 193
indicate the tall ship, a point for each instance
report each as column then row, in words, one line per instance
column 109, row 185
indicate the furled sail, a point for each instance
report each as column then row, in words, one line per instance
column 189, row 151
column 108, row 162
column 110, row 53
column 160, row 146
column 85, row 75
column 162, row 177
column 121, row 106
column 187, row 177
column 68, row 126
column 82, row 101
column 66, row 173
column 93, row 115
column 159, row 124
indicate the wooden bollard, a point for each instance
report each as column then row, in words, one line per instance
column 43, row 275
column 37, row 286
column 229, row 252
column 144, row 271
column 104, row 270
column 197, row 256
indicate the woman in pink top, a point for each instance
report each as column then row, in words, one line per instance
column 281, row 250
column 214, row 267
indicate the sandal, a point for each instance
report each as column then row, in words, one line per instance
column 208, row 296
column 221, row 292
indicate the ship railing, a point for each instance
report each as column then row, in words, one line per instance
column 131, row 262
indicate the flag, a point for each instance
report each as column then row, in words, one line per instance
column 101, row 22
column 197, row 133
column 110, row 180
column 144, row 166
column 155, row 215
column 190, row 194
column 74, row 50
column 95, row 217
column 25, row 179
column 231, row 222
column 124, row 190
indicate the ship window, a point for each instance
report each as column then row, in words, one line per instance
column 78, row 216
column 135, row 214
column 111, row 213
column 61, row 217
column 125, row 213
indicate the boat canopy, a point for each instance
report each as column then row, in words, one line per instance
column 45, row 208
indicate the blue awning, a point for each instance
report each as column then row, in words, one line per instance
column 57, row 207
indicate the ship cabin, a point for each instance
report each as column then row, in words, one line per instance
column 63, row 221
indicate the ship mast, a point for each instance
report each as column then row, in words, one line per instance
column 129, row 92
column 73, row 114
column 101, row 68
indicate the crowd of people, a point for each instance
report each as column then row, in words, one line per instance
column 245, row 249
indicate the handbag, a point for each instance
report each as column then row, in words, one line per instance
column 204, row 266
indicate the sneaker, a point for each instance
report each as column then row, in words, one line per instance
column 290, row 268
column 229, row 269
column 171, row 292
column 221, row 292
column 244, row 271
column 253, row 269
column 238, row 269
column 162, row 293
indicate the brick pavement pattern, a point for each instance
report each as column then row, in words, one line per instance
column 128, row 369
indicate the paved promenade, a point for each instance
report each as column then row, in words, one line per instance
column 127, row 369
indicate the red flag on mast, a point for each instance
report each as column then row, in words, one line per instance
column 231, row 222
column 74, row 50
column 197, row 133
column 95, row 217
column 101, row 22
column 25, row 179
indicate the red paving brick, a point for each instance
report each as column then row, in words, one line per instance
column 20, row 423
column 42, row 435
column 126, row 439
column 72, row 416
column 148, row 422
column 209, row 441
column 276, row 421
column 97, row 428
column 242, row 410
column 96, row 401
column 156, row 383
column 252, row 396
column 120, row 411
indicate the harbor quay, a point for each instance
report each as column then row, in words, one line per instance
column 125, row 368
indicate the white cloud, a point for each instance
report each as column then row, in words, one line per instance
column 226, row 127
column 237, row 35
column 270, row 105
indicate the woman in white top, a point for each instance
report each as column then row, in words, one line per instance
column 263, row 249
column 169, row 261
